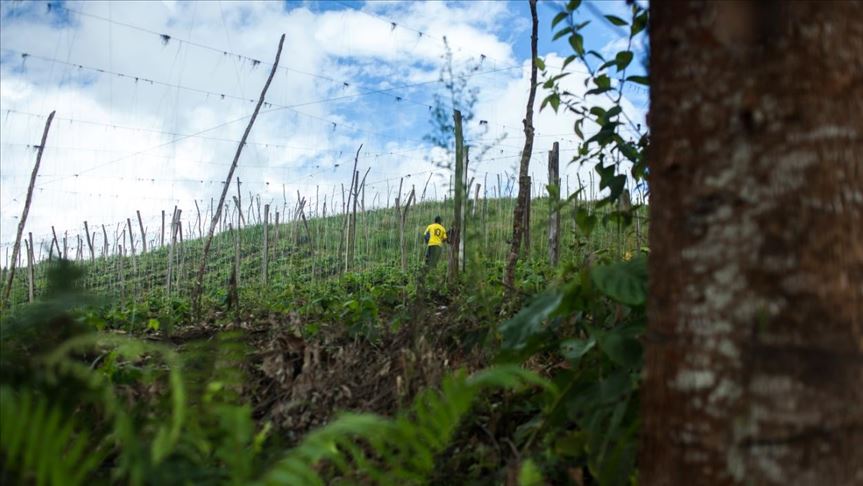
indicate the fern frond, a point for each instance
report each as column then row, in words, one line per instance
column 403, row 449
column 132, row 461
column 42, row 445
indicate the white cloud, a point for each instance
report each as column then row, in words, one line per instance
column 130, row 157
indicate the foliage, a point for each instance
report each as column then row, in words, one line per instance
column 403, row 449
column 600, row 108
column 592, row 323
column 461, row 96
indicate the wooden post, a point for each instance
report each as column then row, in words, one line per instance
column 526, row 215
column 200, row 227
column 353, row 192
column 554, row 205
column 458, row 198
column 238, row 200
column 105, row 243
column 162, row 238
column 199, row 281
column 17, row 247
column 29, row 249
column 402, row 217
column 171, row 244
column 236, row 254
column 266, row 249
column 131, row 238
column 143, row 233
column 89, row 242
column 65, row 245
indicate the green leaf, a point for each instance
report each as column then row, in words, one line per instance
column 595, row 54
column 624, row 282
column 621, row 347
column 638, row 80
column 561, row 33
column 529, row 474
column 598, row 112
column 585, row 220
column 560, row 17
column 522, row 334
column 616, row 20
column 613, row 112
column 623, row 59
column 573, row 5
column 574, row 349
column 577, row 43
column 569, row 60
column 540, row 64
column 554, row 102
column 577, row 128
column 602, row 81
column 638, row 24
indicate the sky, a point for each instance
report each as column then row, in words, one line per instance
column 151, row 99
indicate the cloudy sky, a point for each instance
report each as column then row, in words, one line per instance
column 151, row 99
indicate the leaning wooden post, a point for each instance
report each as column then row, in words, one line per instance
column 17, row 247
column 351, row 216
column 143, row 233
column 554, row 205
column 56, row 242
column 458, row 198
column 200, row 229
column 266, row 243
column 199, row 281
column 162, row 237
column 104, row 243
column 89, row 242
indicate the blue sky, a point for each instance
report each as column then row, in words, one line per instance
column 121, row 144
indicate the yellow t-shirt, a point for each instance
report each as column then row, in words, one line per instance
column 436, row 234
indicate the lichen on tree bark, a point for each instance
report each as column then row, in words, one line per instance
column 754, row 362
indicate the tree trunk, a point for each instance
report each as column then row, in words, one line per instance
column 523, row 192
column 754, row 349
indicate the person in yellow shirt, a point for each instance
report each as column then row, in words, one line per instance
column 435, row 237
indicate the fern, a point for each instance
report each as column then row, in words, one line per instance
column 41, row 444
column 132, row 460
column 404, row 448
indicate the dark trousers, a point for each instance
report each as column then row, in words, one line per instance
column 433, row 255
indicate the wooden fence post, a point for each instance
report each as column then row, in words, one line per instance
column 105, row 242
column 402, row 217
column 143, row 233
column 554, row 205
column 526, row 181
column 266, row 249
column 458, row 198
column 29, row 249
column 89, row 242
column 199, row 280
column 17, row 247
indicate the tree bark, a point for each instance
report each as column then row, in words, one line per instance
column 17, row 247
column 523, row 192
column 454, row 235
column 554, row 205
column 754, row 349
column 199, row 280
